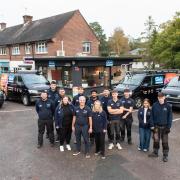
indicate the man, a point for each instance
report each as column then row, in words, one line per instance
column 76, row 98
column 61, row 94
column 115, row 111
column 52, row 92
column 161, row 122
column 126, row 118
column 82, row 125
column 52, row 95
column 45, row 110
column 104, row 101
column 90, row 103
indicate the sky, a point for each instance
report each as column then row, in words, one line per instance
column 130, row 15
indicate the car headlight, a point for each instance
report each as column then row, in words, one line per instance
column 33, row 91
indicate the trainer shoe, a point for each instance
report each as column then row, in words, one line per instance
column 87, row 156
column 165, row 159
column 111, row 145
column 103, row 157
column 76, row 153
column 118, row 146
column 145, row 150
column 61, row 148
column 97, row 153
column 68, row 147
column 139, row 149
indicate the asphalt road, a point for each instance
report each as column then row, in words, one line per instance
column 21, row 160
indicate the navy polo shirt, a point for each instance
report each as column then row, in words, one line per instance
column 82, row 116
column 127, row 103
column 114, row 105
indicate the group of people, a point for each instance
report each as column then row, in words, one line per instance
column 93, row 117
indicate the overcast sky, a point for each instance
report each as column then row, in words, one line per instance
column 130, row 15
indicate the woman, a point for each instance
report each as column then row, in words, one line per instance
column 63, row 121
column 99, row 121
column 144, row 114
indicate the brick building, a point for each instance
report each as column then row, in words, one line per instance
column 66, row 34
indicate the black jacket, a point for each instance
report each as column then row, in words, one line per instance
column 161, row 115
column 99, row 121
column 52, row 94
column 141, row 118
column 45, row 109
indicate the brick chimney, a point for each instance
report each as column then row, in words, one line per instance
column 27, row 18
column 2, row 26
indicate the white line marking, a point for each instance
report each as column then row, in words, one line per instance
column 20, row 110
column 178, row 119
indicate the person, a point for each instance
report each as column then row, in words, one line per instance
column 115, row 111
column 76, row 98
column 161, row 122
column 63, row 121
column 94, row 97
column 45, row 110
column 61, row 94
column 126, row 117
column 104, row 101
column 52, row 95
column 99, row 121
column 144, row 114
column 82, row 126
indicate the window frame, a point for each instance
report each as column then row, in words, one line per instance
column 3, row 51
column 86, row 45
column 27, row 48
column 39, row 46
column 16, row 50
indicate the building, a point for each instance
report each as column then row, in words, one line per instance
column 66, row 34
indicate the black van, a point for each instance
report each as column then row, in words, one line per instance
column 142, row 85
column 172, row 91
column 26, row 86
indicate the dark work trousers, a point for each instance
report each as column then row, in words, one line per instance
column 115, row 127
column 42, row 124
column 126, row 124
column 100, row 142
column 160, row 134
column 47, row 131
column 109, row 131
column 92, row 138
column 82, row 131
column 65, row 135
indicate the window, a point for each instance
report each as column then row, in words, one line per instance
column 15, row 50
column 41, row 47
column 27, row 49
column 86, row 47
column 158, row 80
column 2, row 50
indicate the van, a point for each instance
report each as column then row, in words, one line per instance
column 26, row 86
column 172, row 91
column 142, row 84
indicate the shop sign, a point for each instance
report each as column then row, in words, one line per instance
column 51, row 64
column 109, row 63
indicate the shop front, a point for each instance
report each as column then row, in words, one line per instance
column 88, row 72
column 4, row 66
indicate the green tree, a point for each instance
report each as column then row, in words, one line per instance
column 166, row 46
column 99, row 32
column 119, row 42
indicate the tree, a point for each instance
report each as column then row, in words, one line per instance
column 166, row 46
column 119, row 42
column 99, row 32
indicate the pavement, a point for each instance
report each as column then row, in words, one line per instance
column 21, row 160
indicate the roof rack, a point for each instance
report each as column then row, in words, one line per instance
column 157, row 71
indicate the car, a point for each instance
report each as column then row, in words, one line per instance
column 1, row 98
column 142, row 84
column 172, row 91
column 26, row 86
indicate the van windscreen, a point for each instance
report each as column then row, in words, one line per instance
column 135, row 79
column 175, row 82
column 34, row 79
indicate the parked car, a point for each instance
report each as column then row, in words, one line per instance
column 1, row 98
column 26, row 86
column 172, row 91
column 145, row 84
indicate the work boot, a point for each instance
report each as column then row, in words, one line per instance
column 153, row 155
column 165, row 158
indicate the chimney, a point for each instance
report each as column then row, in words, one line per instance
column 27, row 19
column 2, row 26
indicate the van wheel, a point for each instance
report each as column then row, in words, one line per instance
column 25, row 100
column 138, row 102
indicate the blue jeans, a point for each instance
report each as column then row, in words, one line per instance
column 144, row 138
column 82, row 131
